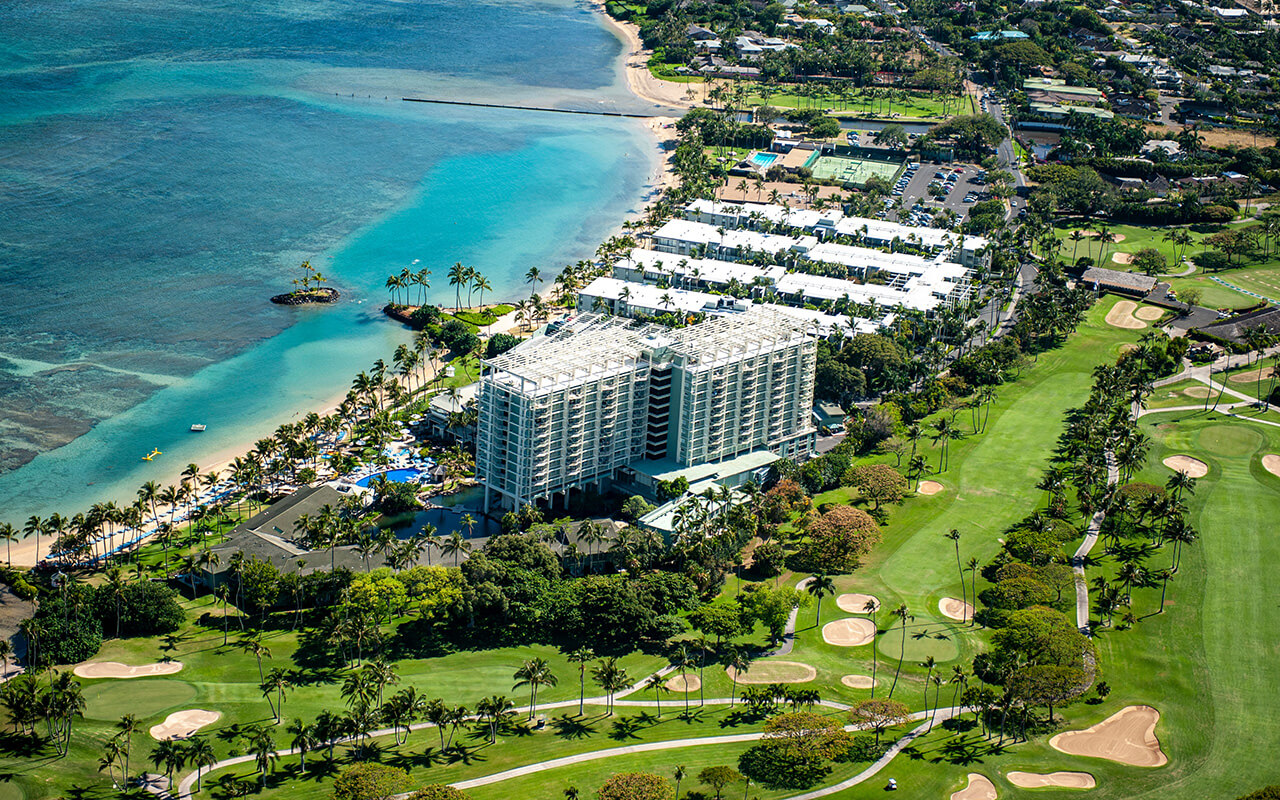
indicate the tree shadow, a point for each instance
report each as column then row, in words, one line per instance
column 468, row 755
column 625, row 728
column 567, row 727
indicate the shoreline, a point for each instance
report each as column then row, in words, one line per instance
column 661, row 176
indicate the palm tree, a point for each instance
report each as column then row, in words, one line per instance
column 972, row 567
column 903, row 615
column 739, row 661
column 533, row 277
column 493, row 711
column 253, row 644
column 200, row 754
column 581, row 656
column 303, row 740
column 534, row 673
column 277, row 681
column 681, row 772
column 456, row 545
column 481, row 284
column 682, row 660
column 657, row 683
column 929, row 665
column 125, row 728
column 820, row 586
column 954, row 536
column 611, row 677
column 10, row 535
column 263, row 749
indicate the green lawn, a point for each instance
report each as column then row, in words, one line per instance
column 1261, row 275
column 1208, row 663
column 1177, row 394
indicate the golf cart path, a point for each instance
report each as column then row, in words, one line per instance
column 926, row 718
column 1090, row 539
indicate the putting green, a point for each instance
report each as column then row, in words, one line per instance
column 1230, row 440
column 11, row 790
column 111, row 700
column 924, row 638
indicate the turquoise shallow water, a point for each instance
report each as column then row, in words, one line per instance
column 164, row 166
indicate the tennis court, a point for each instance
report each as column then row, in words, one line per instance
column 853, row 171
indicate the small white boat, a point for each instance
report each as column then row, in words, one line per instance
column 197, row 428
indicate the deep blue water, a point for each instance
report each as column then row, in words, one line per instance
column 165, row 165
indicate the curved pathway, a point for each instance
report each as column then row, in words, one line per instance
column 789, row 635
column 1090, row 539
column 933, row 717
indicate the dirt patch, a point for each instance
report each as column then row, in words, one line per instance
column 1271, row 463
column 775, row 672
column 1252, row 375
column 114, row 669
column 685, row 683
column 980, row 788
column 1216, row 137
column 952, row 608
column 1198, row 392
column 929, row 487
column 1193, row 467
column 1127, row 736
column 1122, row 258
column 856, row 603
column 1121, row 316
column 1149, row 313
column 184, row 724
column 858, row 681
column 1065, row 780
column 851, row 632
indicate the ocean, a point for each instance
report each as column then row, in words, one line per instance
column 166, row 165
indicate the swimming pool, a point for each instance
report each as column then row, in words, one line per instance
column 406, row 475
column 763, row 159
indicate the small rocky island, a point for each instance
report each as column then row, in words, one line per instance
column 310, row 289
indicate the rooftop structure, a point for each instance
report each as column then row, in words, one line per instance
column 1133, row 283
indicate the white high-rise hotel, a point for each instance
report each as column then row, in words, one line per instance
column 579, row 407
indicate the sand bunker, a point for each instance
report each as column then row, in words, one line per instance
column 858, row 681
column 1193, row 467
column 1065, row 780
column 952, row 608
column 1122, row 258
column 979, row 788
column 851, row 632
column 1271, row 464
column 929, row 487
column 1127, row 736
column 1198, row 392
column 775, row 672
column 856, row 603
column 114, row 669
column 1121, row 316
column 1091, row 234
column 685, row 683
column 183, row 724
column 1252, row 376
column 1149, row 313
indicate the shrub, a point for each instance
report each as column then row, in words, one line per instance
column 439, row 791
column 500, row 343
column 369, row 781
column 146, row 609
column 458, row 336
column 424, row 316
column 636, row 786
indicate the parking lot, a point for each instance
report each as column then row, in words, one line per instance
column 959, row 188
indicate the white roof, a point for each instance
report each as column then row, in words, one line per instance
column 709, row 270
column 683, row 230
column 648, row 297
column 821, row 287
